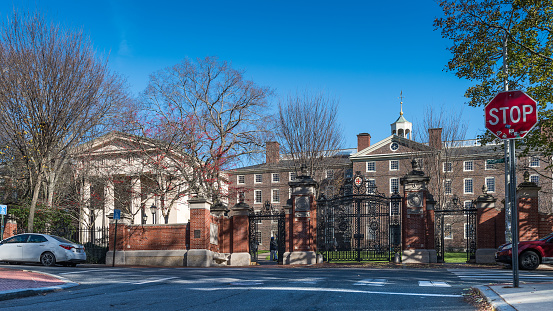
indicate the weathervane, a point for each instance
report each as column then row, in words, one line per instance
column 401, row 103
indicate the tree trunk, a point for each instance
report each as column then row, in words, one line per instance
column 36, row 191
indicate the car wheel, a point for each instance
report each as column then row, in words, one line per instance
column 529, row 260
column 48, row 259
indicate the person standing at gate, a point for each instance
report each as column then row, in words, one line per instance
column 273, row 247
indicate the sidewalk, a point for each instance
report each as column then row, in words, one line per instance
column 16, row 283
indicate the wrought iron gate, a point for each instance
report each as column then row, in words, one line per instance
column 267, row 217
column 359, row 224
column 443, row 227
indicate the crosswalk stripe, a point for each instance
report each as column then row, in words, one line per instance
column 434, row 284
column 372, row 282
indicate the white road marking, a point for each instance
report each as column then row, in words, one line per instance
column 322, row 289
column 372, row 282
column 82, row 271
column 433, row 284
column 154, row 281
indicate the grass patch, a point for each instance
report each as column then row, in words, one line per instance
column 455, row 257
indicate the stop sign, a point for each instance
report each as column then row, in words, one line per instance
column 511, row 114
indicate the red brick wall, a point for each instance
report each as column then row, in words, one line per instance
column 490, row 228
column 528, row 217
column 545, row 224
column 200, row 219
column 9, row 230
column 158, row 237
column 240, row 234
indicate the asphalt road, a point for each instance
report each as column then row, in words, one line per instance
column 105, row 288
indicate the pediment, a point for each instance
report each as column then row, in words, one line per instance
column 391, row 146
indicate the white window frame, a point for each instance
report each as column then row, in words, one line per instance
column 397, row 165
column 391, row 186
column 275, row 180
column 489, row 167
column 471, row 186
column 292, row 176
column 535, row 177
column 488, row 186
column 260, row 178
column 466, row 227
column 373, row 166
column 255, row 196
column 273, row 196
column 467, row 204
column 446, row 188
column 448, row 167
column 450, row 235
column 534, row 162
column 329, row 174
column 468, row 163
column 371, row 185
column 238, row 177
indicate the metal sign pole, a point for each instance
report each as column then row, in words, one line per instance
column 2, row 234
column 114, row 244
column 514, row 213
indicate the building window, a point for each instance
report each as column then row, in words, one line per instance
column 467, row 204
column 534, row 162
column 490, row 166
column 468, row 166
column 329, row 174
column 257, row 197
column 241, row 179
column 258, row 238
column 468, row 186
column 535, row 179
column 276, row 196
column 448, row 167
column 394, row 165
column 447, row 186
column 448, row 233
column 394, row 185
column 371, row 186
column 258, row 178
column 468, row 230
column 292, row 176
column 276, row 177
column 490, row 183
column 371, row 166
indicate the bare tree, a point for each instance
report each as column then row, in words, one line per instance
column 55, row 91
column 309, row 131
column 442, row 163
column 202, row 117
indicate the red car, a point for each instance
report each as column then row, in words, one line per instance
column 530, row 253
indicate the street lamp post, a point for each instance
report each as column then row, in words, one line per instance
column 153, row 210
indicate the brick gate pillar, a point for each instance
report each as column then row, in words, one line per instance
column 199, row 254
column 417, row 226
column 240, row 255
column 528, row 215
column 490, row 225
column 301, row 223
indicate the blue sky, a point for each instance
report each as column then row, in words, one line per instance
column 363, row 53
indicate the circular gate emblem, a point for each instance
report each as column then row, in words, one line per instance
column 358, row 181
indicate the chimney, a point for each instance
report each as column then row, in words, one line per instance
column 363, row 141
column 272, row 152
column 435, row 138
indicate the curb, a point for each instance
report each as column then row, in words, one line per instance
column 27, row 292
column 497, row 303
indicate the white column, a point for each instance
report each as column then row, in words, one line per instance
column 109, row 201
column 85, row 202
column 136, row 198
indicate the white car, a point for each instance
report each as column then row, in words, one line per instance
column 43, row 248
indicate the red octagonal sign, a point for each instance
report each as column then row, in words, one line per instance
column 511, row 114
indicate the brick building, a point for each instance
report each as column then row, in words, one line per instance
column 456, row 169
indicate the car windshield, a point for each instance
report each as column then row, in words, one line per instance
column 60, row 239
